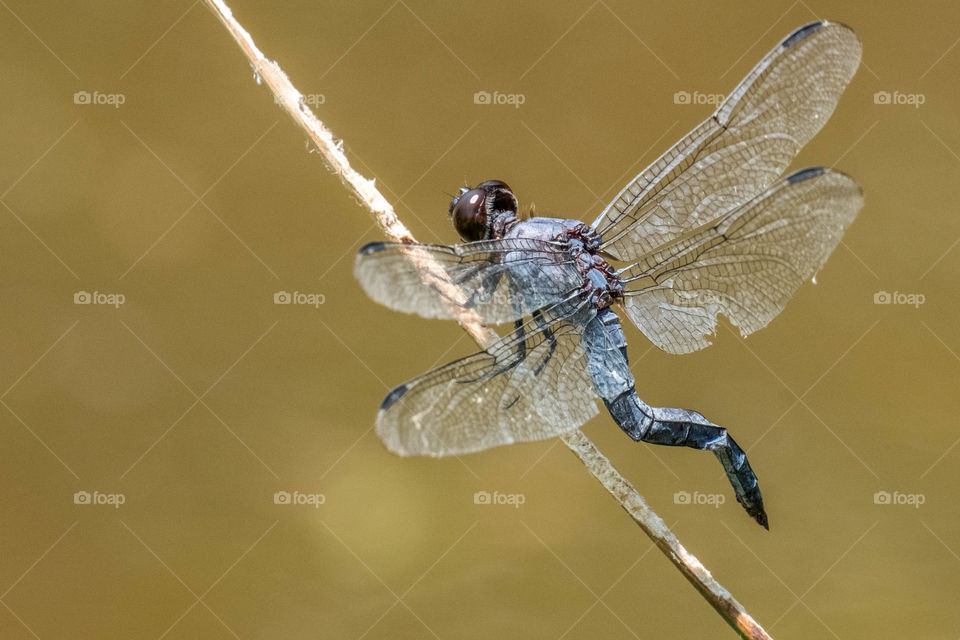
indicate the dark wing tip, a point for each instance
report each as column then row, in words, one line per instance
column 808, row 30
column 393, row 396
column 815, row 172
column 371, row 247
column 806, row 174
column 802, row 33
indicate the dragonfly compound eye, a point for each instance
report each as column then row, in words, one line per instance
column 470, row 215
column 501, row 196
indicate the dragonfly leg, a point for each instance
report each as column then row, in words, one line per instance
column 548, row 334
column 682, row 428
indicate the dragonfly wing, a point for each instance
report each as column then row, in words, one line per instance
column 747, row 265
column 502, row 280
column 530, row 385
column 742, row 149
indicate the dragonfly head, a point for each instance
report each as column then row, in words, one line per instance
column 474, row 211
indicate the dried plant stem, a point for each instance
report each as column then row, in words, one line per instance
column 628, row 497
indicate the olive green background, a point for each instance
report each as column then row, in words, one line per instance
column 199, row 398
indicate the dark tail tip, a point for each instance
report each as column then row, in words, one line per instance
column 757, row 513
column 754, row 508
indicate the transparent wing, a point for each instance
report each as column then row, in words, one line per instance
column 502, row 280
column 747, row 265
column 739, row 151
column 530, row 385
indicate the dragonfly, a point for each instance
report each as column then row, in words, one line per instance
column 712, row 227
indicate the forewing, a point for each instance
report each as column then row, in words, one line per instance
column 502, row 280
column 746, row 266
column 530, row 385
column 739, row 151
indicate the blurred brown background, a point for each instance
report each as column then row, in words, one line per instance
column 197, row 399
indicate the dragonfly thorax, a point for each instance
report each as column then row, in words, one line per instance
column 600, row 280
